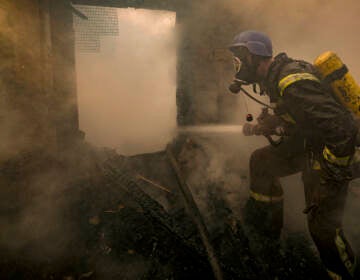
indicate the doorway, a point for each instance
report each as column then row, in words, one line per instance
column 126, row 87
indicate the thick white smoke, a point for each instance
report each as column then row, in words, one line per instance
column 126, row 92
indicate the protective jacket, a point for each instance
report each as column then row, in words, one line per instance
column 304, row 101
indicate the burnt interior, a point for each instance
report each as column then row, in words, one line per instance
column 73, row 211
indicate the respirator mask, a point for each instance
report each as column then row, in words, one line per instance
column 245, row 73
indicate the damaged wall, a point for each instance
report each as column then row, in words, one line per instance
column 24, row 115
column 63, row 99
column 205, row 30
column 37, row 108
column 38, row 104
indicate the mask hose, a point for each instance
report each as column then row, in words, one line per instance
column 256, row 100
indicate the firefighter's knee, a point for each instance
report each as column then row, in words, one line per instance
column 255, row 159
column 321, row 231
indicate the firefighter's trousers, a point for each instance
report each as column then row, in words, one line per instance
column 324, row 205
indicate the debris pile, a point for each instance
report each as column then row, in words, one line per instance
column 125, row 218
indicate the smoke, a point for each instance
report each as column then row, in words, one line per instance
column 126, row 92
column 305, row 29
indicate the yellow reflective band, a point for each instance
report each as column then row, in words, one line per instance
column 293, row 78
column 333, row 275
column 265, row 198
column 330, row 157
column 341, row 247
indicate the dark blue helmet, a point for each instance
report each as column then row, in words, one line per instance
column 255, row 42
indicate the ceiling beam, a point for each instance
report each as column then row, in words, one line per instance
column 169, row 5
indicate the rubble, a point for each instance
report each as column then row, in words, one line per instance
column 113, row 228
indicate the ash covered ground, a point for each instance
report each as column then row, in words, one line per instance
column 107, row 216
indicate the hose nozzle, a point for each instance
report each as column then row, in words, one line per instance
column 249, row 129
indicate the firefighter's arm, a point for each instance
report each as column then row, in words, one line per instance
column 318, row 112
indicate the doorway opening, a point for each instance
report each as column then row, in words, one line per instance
column 126, row 77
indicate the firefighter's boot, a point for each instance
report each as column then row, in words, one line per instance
column 263, row 223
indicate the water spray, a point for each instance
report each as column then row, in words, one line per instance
column 211, row 129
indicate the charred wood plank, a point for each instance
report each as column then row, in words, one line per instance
column 196, row 216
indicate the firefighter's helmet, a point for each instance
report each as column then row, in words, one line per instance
column 255, row 42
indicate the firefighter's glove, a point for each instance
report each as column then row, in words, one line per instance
column 335, row 169
column 271, row 124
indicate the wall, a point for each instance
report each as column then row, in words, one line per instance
column 23, row 109
column 39, row 99
column 204, row 63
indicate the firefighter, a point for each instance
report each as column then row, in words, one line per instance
column 320, row 143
